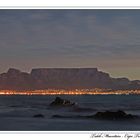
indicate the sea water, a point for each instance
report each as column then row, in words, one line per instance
column 17, row 111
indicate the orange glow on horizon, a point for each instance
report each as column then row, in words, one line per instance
column 69, row 92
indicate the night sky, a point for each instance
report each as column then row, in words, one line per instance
column 107, row 39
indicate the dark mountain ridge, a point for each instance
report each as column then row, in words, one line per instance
column 63, row 78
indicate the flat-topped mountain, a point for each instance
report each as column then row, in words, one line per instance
column 63, row 78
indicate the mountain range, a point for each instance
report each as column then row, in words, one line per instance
column 63, row 78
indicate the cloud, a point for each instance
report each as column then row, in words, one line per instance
column 70, row 34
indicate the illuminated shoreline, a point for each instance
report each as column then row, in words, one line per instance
column 69, row 92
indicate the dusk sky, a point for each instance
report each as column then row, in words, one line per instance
column 107, row 39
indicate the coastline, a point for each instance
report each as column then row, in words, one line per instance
column 70, row 92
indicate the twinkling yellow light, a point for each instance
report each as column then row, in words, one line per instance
column 69, row 92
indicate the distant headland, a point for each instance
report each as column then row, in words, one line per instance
column 64, row 79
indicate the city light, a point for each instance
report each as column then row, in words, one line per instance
column 69, row 92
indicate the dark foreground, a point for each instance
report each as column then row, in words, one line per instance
column 83, row 112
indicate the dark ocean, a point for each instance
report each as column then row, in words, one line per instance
column 17, row 111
